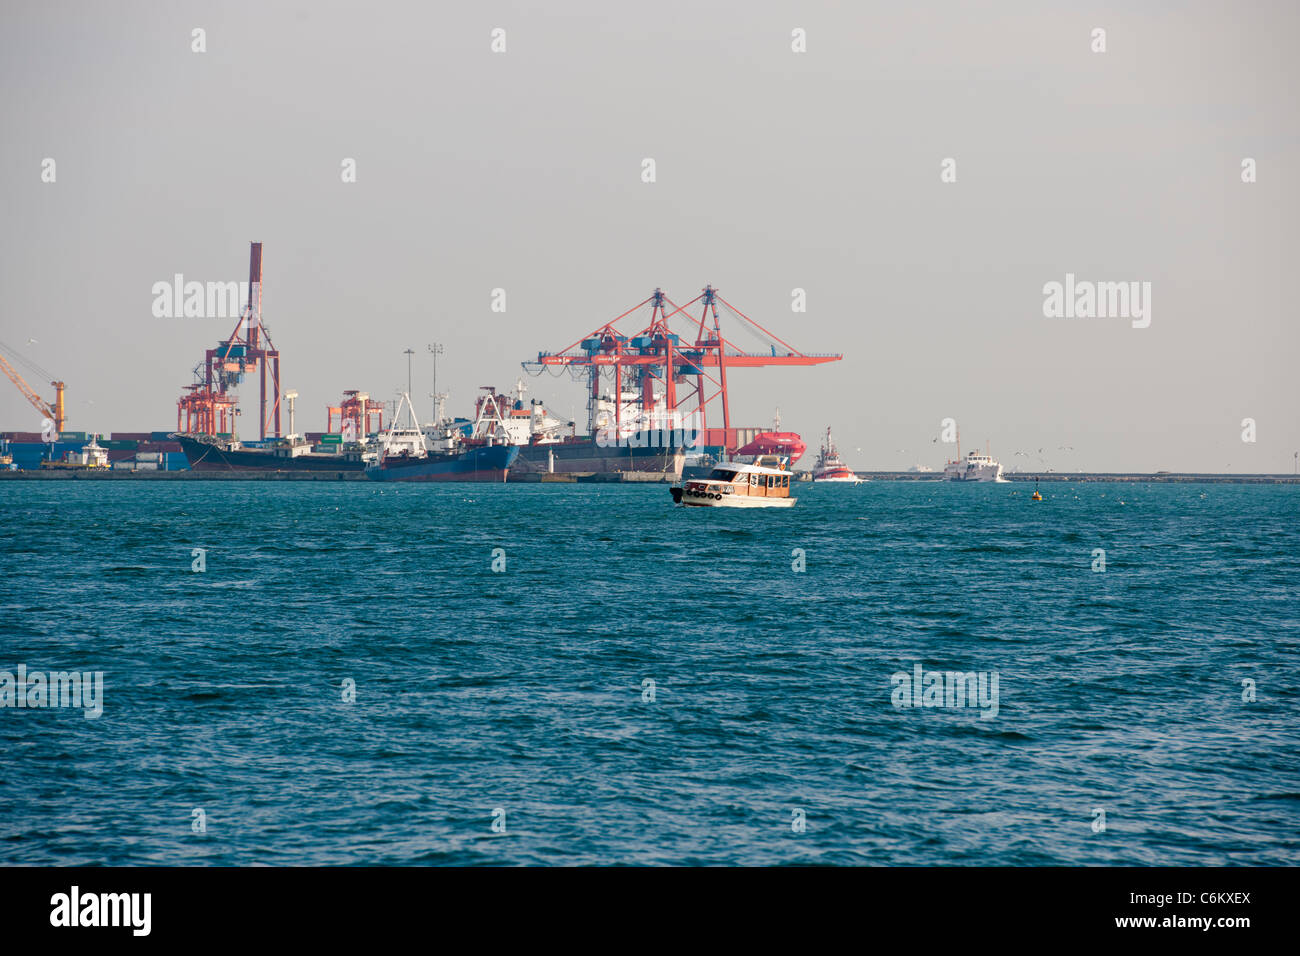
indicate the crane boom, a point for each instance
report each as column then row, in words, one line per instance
column 655, row 361
column 36, row 401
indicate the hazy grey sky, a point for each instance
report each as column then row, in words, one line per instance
column 776, row 170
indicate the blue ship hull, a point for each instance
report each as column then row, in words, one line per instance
column 490, row 463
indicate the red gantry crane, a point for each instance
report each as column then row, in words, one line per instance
column 357, row 408
column 688, row 370
column 208, row 407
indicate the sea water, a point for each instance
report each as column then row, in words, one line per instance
column 344, row 673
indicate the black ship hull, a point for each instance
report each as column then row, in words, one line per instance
column 491, row 463
column 587, row 456
column 204, row 456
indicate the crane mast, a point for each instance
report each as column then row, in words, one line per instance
column 209, row 405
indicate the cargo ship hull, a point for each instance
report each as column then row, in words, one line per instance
column 587, row 456
column 490, row 463
column 203, row 456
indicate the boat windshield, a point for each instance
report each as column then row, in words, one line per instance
column 723, row 474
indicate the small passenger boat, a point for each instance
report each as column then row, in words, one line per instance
column 763, row 484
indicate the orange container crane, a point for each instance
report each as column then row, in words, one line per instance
column 656, row 360
column 54, row 412
column 201, row 411
column 358, row 408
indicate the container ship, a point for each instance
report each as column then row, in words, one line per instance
column 757, row 443
column 786, row 445
column 656, row 441
column 622, row 442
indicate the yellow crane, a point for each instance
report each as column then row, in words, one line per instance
column 55, row 412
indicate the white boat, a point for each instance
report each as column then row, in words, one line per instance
column 976, row 467
column 830, row 468
column 763, row 484
column 90, row 455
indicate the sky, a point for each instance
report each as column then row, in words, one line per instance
column 775, row 170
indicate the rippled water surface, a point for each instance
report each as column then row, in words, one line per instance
column 1119, row 691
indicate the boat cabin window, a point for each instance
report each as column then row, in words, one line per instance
column 723, row 474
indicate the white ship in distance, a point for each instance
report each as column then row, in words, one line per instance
column 976, row 466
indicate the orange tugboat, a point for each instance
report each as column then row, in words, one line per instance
column 829, row 467
column 764, row 484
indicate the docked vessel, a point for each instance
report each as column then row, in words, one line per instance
column 89, row 456
column 648, row 400
column 622, row 437
column 585, row 455
column 404, row 454
column 829, row 467
column 787, row 445
column 976, row 466
column 484, row 463
column 210, row 453
column 763, row 484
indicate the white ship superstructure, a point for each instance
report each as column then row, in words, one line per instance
column 631, row 416
column 976, row 466
column 404, row 441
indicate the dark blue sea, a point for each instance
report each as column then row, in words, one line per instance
column 1145, row 713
